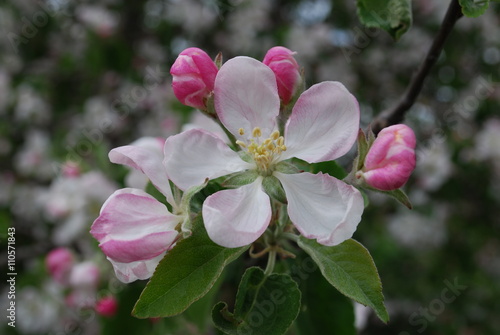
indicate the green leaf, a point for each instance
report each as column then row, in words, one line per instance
column 394, row 16
column 474, row 8
column 351, row 270
column 199, row 312
column 264, row 305
column 324, row 309
column 184, row 275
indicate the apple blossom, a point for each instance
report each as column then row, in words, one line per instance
column 323, row 126
column 134, row 229
column 286, row 69
column 391, row 158
column 193, row 75
column 59, row 263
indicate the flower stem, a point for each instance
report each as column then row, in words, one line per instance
column 271, row 261
column 397, row 114
column 291, row 236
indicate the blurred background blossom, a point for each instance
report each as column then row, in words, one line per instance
column 78, row 78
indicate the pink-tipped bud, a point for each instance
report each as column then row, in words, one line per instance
column 287, row 71
column 193, row 75
column 107, row 306
column 59, row 263
column 391, row 159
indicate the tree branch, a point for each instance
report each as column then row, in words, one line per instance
column 396, row 115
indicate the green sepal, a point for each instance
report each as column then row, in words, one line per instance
column 394, row 16
column 364, row 143
column 219, row 60
column 350, row 268
column 366, row 199
column 244, row 155
column 397, row 194
column 184, row 275
column 474, row 8
column 186, row 225
column 240, row 178
column 272, row 186
column 371, row 137
column 264, row 305
column 363, row 148
column 210, row 107
column 287, row 168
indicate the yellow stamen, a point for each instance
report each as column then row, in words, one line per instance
column 241, row 131
column 264, row 152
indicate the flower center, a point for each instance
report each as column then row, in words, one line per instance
column 263, row 151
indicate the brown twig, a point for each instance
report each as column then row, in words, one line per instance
column 396, row 115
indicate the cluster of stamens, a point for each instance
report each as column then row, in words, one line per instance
column 263, row 152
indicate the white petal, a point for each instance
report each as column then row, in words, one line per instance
column 323, row 125
column 194, row 155
column 246, row 96
column 200, row 120
column 129, row 272
column 237, row 217
column 147, row 159
column 322, row 207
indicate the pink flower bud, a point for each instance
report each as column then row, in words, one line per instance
column 59, row 263
column 287, row 71
column 193, row 75
column 391, row 159
column 107, row 306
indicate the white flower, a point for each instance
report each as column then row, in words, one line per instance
column 323, row 126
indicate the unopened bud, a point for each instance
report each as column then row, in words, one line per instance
column 287, row 71
column 391, row 159
column 107, row 306
column 193, row 75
